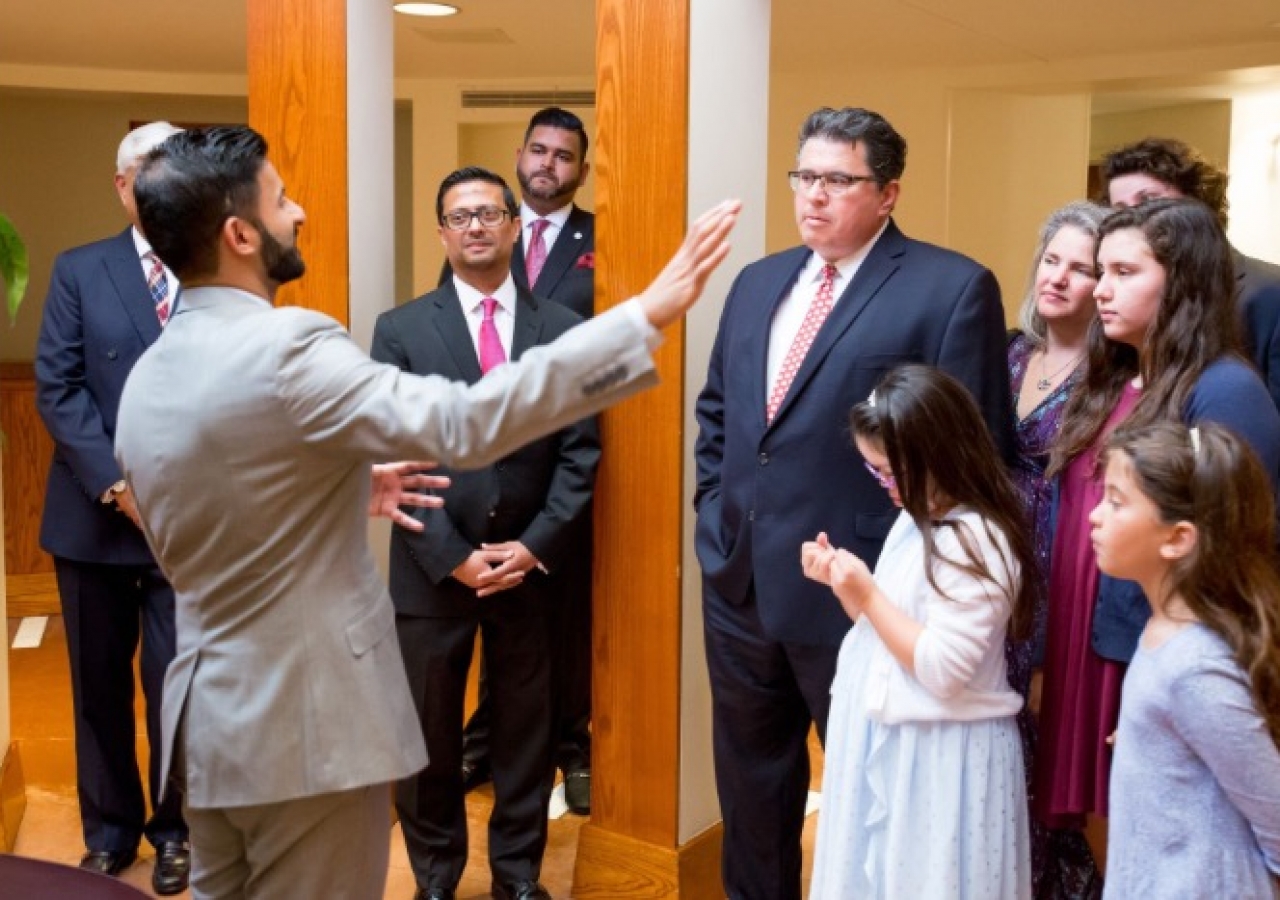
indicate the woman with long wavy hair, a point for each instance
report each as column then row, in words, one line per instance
column 1164, row 348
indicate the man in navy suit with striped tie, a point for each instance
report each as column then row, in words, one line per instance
column 107, row 303
column 810, row 331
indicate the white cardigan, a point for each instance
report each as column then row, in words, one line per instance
column 959, row 658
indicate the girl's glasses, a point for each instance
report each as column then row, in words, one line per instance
column 885, row 481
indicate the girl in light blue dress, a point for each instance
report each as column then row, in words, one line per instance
column 1195, row 781
column 924, row 792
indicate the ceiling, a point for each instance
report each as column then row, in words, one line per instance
column 553, row 40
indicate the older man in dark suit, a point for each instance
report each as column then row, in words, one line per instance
column 492, row 559
column 1163, row 167
column 107, row 304
column 805, row 335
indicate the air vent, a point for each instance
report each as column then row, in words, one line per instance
column 463, row 35
column 527, row 99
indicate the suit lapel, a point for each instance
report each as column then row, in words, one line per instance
column 757, row 343
column 451, row 324
column 569, row 246
column 876, row 269
column 125, row 272
column 528, row 327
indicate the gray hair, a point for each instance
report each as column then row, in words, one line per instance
column 1080, row 214
column 141, row 141
column 885, row 149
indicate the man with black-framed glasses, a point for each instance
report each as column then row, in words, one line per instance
column 805, row 335
column 493, row 559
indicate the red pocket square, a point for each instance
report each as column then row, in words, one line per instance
column 586, row 261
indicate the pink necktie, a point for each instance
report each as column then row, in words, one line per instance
column 158, row 286
column 536, row 257
column 819, row 309
column 491, row 352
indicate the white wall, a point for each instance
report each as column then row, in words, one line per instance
column 1204, row 125
column 1254, row 188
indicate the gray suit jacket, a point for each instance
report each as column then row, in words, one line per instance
column 247, row 433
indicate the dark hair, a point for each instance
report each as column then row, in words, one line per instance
column 935, row 440
column 1229, row 581
column 885, row 149
column 1195, row 325
column 474, row 173
column 187, row 187
column 1174, row 163
column 555, row 117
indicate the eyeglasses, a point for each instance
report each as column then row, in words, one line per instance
column 834, row 183
column 460, row 219
column 888, row 482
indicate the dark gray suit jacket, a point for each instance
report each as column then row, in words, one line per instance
column 539, row 495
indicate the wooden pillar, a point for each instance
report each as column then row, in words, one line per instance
column 298, row 101
column 631, row 846
column 682, row 112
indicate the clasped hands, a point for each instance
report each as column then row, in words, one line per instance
column 495, row 567
column 843, row 572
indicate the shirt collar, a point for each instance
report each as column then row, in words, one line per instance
column 470, row 298
column 557, row 218
column 848, row 265
column 140, row 243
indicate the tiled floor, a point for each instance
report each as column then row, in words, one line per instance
column 42, row 726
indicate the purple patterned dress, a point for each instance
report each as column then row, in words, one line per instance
column 1062, row 865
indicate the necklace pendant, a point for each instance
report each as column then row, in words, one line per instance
column 1043, row 384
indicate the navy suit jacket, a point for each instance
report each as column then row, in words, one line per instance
column 764, row 489
column 539, row 495
column 568, row 275
column 98, row 319
column 1258, row 284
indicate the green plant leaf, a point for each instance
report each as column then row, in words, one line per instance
column 15, row 267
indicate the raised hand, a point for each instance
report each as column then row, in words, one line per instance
column 681, row 281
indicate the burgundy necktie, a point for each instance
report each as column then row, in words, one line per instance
column 819, row 309
column 536, row 257
column 491, row 352
column 158, row 286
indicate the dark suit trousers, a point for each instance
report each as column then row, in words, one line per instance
column 764, row 695
column 437, row 654
column 569, row 621
column 106, row 609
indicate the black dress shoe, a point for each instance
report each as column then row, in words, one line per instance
column 173, row 868
column 433, row 893
column 106, row 862
column 577, row 791
column 519, row 890
column 475, row 772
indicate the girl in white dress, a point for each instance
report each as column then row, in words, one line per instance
column 924, row 794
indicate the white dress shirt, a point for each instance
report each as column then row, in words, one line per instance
column 790, row 313
column 143, row 246
column 504, row 314
column 555, row 224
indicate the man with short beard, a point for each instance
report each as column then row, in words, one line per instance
column 254, row 440
column 557, row 248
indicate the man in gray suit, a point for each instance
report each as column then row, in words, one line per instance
column 247, row 435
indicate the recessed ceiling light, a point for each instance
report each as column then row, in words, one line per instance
column 426, row 9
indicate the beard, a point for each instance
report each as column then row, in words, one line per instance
column 549, row 190
column 283, row 264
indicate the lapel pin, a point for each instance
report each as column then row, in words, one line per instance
column 577, row 235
